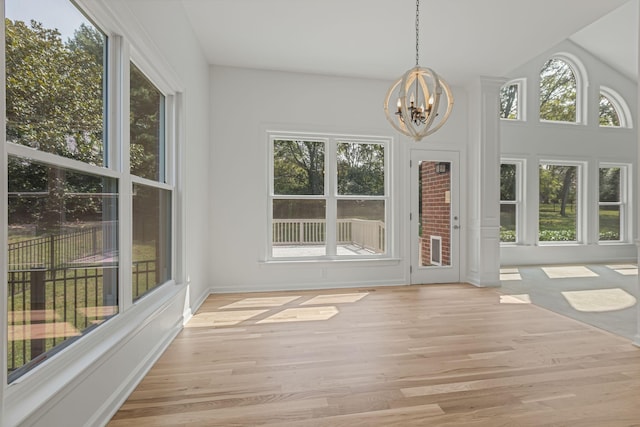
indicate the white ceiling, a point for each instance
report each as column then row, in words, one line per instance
column 460, row 39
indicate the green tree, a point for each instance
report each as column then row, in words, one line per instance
column 298, row 167
column 608, row 114
column 558, row 90
column 147, row 136
column 54, row 94
column 509, row 102
column 360, row 169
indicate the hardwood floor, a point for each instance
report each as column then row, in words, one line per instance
column 436, row 355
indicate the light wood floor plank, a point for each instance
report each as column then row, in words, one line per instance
column 437, row 355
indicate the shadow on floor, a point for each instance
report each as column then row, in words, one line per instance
column 601, row 295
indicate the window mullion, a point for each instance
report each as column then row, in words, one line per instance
column 331, row 191
column 121, row 100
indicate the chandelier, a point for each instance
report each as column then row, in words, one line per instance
column 414, row 102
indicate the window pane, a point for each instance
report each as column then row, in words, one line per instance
column 608, row 113
column 558, row 91
column 507, row 223
column 508, row 182
column 299, row 228
column 298, row 167
column 360, row 227
column 62, row 258
column 609, row 222
column 609, row 184
column 509, row 102
column 55, row 79
column 151, row 238
column 557, row 215
column 147, row 128
column 360, row 169
column 610, row 215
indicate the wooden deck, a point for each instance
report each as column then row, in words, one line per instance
column 437, row 355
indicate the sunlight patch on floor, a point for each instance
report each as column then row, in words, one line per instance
column 306, row 314
column 625, row 269
column 568, row 272
column 222, row 318
column 515, row 299
column 336, row 298
column 599, row 300
column 261, row 302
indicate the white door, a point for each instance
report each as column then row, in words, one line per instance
column 435, row 216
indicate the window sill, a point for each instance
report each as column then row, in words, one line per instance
column 334, row 261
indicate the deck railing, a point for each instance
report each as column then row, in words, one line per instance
column 367, row 234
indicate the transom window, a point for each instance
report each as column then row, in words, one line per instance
column 511, row 100
column 558, row 92
column 328, row 197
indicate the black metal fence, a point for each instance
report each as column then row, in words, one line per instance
column 60, row 287
column 59, row 249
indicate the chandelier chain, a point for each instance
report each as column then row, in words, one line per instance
column 417, row 31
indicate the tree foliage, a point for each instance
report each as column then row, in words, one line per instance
column 608, row 114
column 509, row 102
column 146, row 109
column 558, row 91
column 54, row 92
column 298, row 167
column 508, row 181
column 360, row 169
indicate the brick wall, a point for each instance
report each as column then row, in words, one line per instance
column 436, row 211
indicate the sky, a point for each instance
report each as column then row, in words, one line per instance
column 60, row 14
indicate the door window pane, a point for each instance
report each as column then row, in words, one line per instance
column 147, row 128
column 55, row 85
column 151, row 238
column 558, row 203
column 435, row 213
column 62, row 258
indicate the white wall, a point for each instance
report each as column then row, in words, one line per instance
column 533, row 140
column 86, row 382
column 244, row 105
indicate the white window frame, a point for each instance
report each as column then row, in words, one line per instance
column 582, row 86
column 620, row 105
column 581, row 211
column 42, row 382
column 520, row 186
column 521, row 109
column 624, row 205
column 330, row 195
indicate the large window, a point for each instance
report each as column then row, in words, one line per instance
column 328, row 197
column 510, row 209
column 559, row 202
column 68, row 185
column 558, row 92
column 62, row 275
column 612, row 204
column 151, row 197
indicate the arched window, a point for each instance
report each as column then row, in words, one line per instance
column 609, row 116
column 511, row 100
column 559, row 92
column 613, row 110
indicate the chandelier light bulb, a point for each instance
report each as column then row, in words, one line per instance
column 419, row 83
